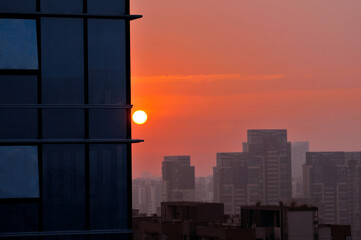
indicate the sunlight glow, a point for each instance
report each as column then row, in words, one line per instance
column 139, row 117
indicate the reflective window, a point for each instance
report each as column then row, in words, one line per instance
column 18, row 123
column 62, row 60
column 18, row 5
column 107, row 61
column 19, row 177
column 107, row 123
column 18, row 89
column 63, row 186
column 107, row 7
column 18, row 44
column 62, row 6
column 108, row 186
column 63, row 123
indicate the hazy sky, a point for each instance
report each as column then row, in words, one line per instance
column 205, row 71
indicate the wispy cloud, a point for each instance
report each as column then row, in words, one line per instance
column 205, row 78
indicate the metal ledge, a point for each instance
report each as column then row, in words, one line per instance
column 67, row 106
column 66, row 233
column 58, row 15
column 65, row 141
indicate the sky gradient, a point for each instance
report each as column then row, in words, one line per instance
column 205, row 71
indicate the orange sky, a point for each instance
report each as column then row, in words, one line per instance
column 205, row 71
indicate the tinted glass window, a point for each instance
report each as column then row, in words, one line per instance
column 107, row 62
column 19, row 217
column 107, row 7
column 107, row 123
column 108, row 186
column 19, row 176
column 63, row 187
column 62, row 60
column 18, row 44
column 18, row 5
column 18, row 89
column 62, row 6
column 63, row 123
column 18, row 123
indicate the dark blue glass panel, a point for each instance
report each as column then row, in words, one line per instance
column 18, row 89
column 107, row 7
column 18, row 44
column 107, row 61
column 108, row 186
column 18, row 5
column 62, row 6
column 18, row 123
column 62, row 60
column 19, row 177
column 107, row 123
column 19, row 217
column 63, row 187
column 63, row 123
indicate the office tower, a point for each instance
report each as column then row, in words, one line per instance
column 270, row 147
column 261, row 173
column 230, row 181
column 298, row 157
column 147, row 194
column 204, row 189
column 332, row 180
column 178, row 179
column 65, row 150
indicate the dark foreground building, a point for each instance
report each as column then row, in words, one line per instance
column 65, row 153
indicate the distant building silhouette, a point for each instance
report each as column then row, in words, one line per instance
column 147, row 194
column 333, row 181
column 261, row 173
column 204, row 189
column 298, row 157
column 271, row 149
column 178, row 179
column 65, row 129
column 233, row 183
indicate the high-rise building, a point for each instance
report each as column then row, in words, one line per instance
column 147, row 194
column 230, row 181
column 204, row 189
column 178, row 179
column 65, row 136
column 332, row 180
column 270, row 147
column 298, row 157
column 261, row 173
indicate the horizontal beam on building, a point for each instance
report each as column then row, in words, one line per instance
column 55, row 15
column 66, row 106
column 65, row 141
column 66, row 233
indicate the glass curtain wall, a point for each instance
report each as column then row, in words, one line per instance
column 65, row 154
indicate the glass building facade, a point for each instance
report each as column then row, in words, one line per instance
column 65, row 136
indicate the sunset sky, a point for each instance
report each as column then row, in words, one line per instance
column 205, row 71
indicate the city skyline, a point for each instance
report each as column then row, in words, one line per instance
column 207, row 74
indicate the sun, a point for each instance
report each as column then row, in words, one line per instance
column 139, row 117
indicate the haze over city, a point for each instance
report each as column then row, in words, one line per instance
column 206, row 71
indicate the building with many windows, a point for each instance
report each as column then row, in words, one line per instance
column 65, row 136
column 178, row 178
column 333, row 181
column 261, row 173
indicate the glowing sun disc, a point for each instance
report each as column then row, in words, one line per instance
column 139, row 117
